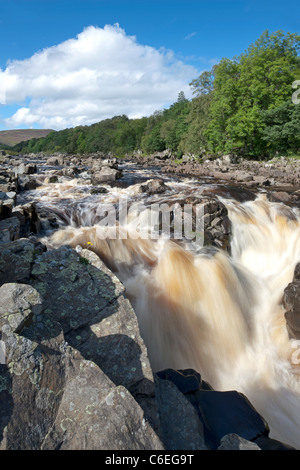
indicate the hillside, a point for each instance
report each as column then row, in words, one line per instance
column 15, row 136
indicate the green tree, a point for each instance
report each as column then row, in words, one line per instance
column 258, row 80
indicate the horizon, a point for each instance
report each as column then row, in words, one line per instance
column 76, row 63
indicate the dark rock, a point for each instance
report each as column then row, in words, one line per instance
column 51, row 179
column 181, row 427
column 291, row 302
column 187, row 381
column 227, row 413
column 99, row 190
column 9, row 229
column 29, row 219
column 15, row 261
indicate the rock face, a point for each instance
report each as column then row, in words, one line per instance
column 77, row 374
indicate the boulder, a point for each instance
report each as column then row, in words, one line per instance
column 105, row 175
column 56, row 160
column 25, row 169
column 156, row 186
column 236, row 442
column 26, row 183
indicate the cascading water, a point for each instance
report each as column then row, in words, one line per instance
column 221, row 315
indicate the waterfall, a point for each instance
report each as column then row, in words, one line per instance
column 219, row 314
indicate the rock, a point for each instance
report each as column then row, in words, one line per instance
column 235, row 442
column 181, row 427
column 221, row 414
column 156, row 186
column 78, row 405
column 291, row 302
column 19, row 302
column 279, row 196
column 70, row 171
column 105, row 175
column 99, row 190
column 227, row 418
column 15, row 261
column 28, row 217
column 26, row 183
column 24, row 169
column 9, row 229
column 7, row 203
column 51, row 179
column 56, row 160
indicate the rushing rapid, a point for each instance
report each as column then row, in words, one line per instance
column 206, row 309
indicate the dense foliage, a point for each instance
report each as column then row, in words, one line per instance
column 243, row 105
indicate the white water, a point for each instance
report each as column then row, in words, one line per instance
column 221, row 315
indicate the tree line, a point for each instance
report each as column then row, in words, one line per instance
column 242, row 105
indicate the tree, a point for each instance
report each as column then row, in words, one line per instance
column 259, row 80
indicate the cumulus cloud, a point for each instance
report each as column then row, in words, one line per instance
column 101, row 73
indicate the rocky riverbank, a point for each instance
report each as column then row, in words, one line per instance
column 75, row 371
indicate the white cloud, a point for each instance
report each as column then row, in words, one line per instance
column 190, row 36
column 100, row 73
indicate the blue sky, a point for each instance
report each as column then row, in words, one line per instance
column 64, row 63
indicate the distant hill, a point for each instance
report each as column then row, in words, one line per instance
column 16, row 136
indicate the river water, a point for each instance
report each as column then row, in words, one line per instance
column 215, row 311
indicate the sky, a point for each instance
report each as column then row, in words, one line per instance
column 65, row 63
